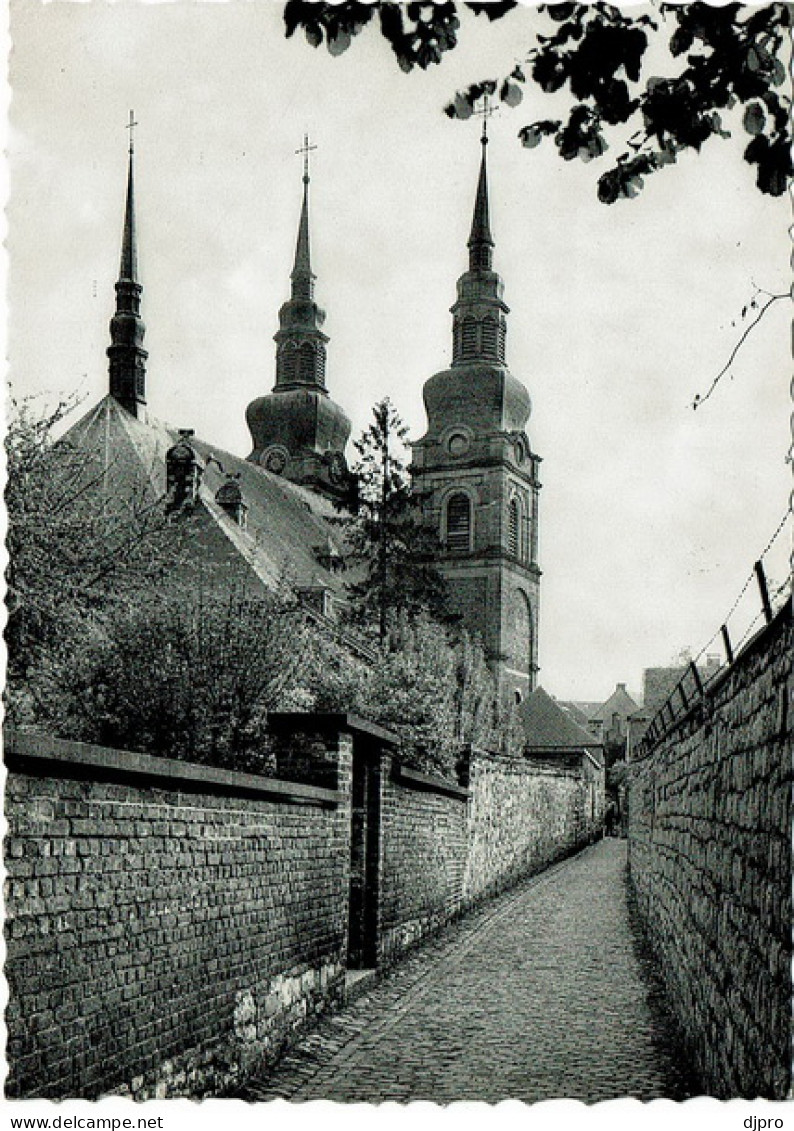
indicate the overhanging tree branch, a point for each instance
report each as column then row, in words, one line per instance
column 771, row 300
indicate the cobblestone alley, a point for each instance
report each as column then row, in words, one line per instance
column 542, row 993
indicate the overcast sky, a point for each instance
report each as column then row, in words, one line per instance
column 651, row 514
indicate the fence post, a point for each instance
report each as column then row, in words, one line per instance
column 761, row 577
column 726, row 640
column 698, row 680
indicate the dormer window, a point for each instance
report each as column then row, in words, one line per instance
column 229, row 498
column 183, row 471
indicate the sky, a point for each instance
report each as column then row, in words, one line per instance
column 651, row 514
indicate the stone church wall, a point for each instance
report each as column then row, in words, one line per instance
column 522, row 818
column 710, row 857
column 161, row 934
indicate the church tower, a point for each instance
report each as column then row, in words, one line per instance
column 126, row 353
column 477, row 476
column 297, row 430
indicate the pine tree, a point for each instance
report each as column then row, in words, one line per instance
column 383, row 532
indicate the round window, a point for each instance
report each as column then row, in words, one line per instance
column 274, row 459
column 458, row 443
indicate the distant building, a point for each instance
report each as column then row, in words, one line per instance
column 659, row 685
column 609, row 720
column 555, row 740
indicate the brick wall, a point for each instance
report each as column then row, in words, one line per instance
column 162, row 934
column 710, row 857
column 168, row 924
column 424, row 857
column 523, row 817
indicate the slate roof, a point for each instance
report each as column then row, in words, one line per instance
column 549, row 727
column 575, row 711
column 587, row 711
column 287, row 525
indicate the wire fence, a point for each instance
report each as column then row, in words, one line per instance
column 757, row 604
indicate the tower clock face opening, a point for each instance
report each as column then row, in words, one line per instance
column 458, row 444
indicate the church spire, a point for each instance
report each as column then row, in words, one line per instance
column 127, row 357
column 479, row 325
column 481, row 241
column 302, row 277
column 300, row 357
column 297, row 430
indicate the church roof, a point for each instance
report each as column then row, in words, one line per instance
column 549, row 727
column 286, row 524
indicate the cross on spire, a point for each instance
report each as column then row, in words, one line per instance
column 131, row 127
column 306, row 149
column 485, row 111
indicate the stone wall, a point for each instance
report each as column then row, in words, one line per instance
column 166, row 923
column 710, row 858
column 523, row 817
column 446, row 848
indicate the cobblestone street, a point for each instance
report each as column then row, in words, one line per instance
column 542, row 993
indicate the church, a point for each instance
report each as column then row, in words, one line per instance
column 266, row 516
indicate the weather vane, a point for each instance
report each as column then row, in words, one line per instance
column 131, row 127
column 485, row 111
column 306, row 149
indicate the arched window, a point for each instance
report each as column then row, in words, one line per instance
column 514, row 528
column 307, row 368
column 521, row 630
column 459, row 522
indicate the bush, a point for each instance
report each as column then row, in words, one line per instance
column 184, row 676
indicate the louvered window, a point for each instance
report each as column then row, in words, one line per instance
column 307, row 368
column 489, row 337
column 500, row 348
column 289, row 359
column 469, row 337
column 514, row 528
column 459, row 522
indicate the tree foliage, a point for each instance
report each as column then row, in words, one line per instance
column 112, row 640
column 383, row 531
column 74, row 543
column 721, row 63
column 186, row 675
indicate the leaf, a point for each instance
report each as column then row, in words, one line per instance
column 532, row 135
column 340, row 42
column 560, row 12
column 493, row 9
column 754, row 118
column 511, row 93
